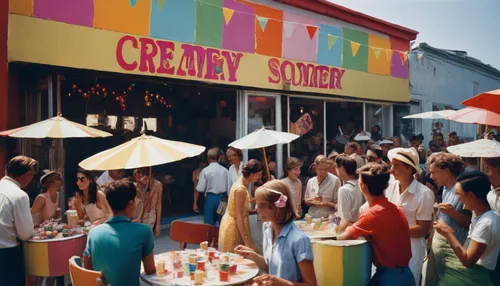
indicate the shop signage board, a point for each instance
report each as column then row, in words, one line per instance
column 252, row 46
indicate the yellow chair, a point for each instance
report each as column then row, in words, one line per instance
column 84, row 277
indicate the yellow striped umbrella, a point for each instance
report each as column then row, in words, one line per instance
column 143, row 151
column 55, row 127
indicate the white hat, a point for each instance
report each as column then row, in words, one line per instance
column 385, row 141
column 46, row 173
column 363, row 136
column 406, row 155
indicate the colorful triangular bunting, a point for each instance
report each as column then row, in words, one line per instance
column 228, row 14
column 355, row 48
column 376, row 52
column 331, row 41
column 262, row 22
column 403, row 56
column 388, row 53
column 133, row 3
column 288, row 28
column 161, row 3
column 311, row 30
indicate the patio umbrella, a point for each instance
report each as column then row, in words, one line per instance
column 441, row 114
column 262, row 138
column 482, row 148
column 55, row 127
column 475, row 116
column 142, row 151
column 489, row 100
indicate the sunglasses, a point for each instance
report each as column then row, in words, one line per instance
column 81, row 179
column 371, row 158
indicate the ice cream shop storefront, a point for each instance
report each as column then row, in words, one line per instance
column 205, row 71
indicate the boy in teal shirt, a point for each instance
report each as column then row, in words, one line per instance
column 118, row 246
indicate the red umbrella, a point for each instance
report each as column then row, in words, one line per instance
column 489, row 100
column 475, row 116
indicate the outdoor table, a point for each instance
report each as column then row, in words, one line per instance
column 337, row 263
column 246, row 270
column 50, row 257
column 324, row 232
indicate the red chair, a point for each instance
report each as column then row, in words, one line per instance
column 192, row 233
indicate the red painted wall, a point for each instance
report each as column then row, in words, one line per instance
column 4, row 75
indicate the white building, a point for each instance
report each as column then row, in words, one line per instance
column 442, row 79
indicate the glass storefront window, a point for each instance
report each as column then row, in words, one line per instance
column 343, row 118
column 378, row 115
column 307, row 120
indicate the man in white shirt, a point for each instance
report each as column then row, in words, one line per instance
column 16, row 222
column 350, row 197
column 214, row 182
column 416, row 200
column 322, row 190
column 110, row 176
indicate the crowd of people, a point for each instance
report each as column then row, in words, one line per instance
column 442, row 221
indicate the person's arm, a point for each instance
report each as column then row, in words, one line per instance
column 22, row 218
column 462, row 218
column 249, row 253
column 200, row 188
column 102, row 203
column 38, row 205
column 306, row 268
column 159, row 191
column 308, row 197
column 241, row 196
column 363, row 227
column 148, row 257
column 424, row 215
column 78, row 205
column 477, row 245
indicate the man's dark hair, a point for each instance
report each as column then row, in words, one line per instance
column 476, row 182
column 377, row 150
column 119, row 194
column 375, row 176
column 493, row 162
column 348, row 162
column 19, row 166
column 353, row 145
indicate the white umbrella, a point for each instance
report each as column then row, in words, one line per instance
column 441, row 114
column 143, row 151
column 55, row 127
column 482, row 148
column 262, row 138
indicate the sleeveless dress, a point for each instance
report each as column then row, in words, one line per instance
column 93, row 212
column 229, row 235
column 48, row 211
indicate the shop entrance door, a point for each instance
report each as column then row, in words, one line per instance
column 257, row 109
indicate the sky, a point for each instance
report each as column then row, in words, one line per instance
column 469, row 25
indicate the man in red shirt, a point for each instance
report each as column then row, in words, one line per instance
column 385, row 226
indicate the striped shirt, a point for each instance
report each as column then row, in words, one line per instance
column 450, row 197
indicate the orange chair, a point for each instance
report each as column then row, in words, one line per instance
column 192, row 233
column 84, row 277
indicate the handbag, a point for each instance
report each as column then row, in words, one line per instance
column 221, row 209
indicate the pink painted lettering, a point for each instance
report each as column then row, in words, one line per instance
column 147, row 55
column 119, row 53
column 166, row 55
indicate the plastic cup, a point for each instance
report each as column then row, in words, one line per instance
column 233, row 269
column 180, row 274
column 200, row 264
column 191, row 275
column 160, row 267
column 177, row 264
column 223, row 275
column 192, row 267
column 193, row 257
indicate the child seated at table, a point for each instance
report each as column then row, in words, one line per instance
column 287, row 250
column 118, row 246
column 385, row 226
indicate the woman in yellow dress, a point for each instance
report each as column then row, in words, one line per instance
column 235, row 226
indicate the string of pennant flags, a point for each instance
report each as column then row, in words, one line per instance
column 312, row 30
